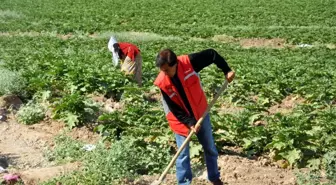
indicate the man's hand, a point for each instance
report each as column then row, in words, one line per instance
column 230, row 76
column 195, row 129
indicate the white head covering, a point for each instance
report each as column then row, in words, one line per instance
column 115, row 57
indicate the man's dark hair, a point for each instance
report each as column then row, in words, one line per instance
column 166, row 56
column 117, row 49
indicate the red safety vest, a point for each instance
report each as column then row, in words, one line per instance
column 192, row 87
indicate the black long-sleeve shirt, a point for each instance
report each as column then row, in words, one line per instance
column 199, row 61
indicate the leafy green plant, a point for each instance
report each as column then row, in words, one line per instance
column 31, row 113
column 303, row 135
column 330, row 165
column 11, row 82
column 105, row 165
column 310, row 178
column 75, row 109
column 314, row 177
column 65, row 150
column 138, row 118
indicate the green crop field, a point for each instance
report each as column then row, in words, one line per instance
column 280, row 50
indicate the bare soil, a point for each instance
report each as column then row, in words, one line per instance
column 22, row 147
column 236, row 170
column 287, row 105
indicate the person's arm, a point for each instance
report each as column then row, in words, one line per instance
column 179, row 113
column 206, row 57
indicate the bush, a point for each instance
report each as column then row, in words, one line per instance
column 128, row 158
column 31, row 113
column 314, row 177
column 66, row 150
column 11, row 82
column 330, row 165
column 75, row 109
column 125, row 159
column 309, row 178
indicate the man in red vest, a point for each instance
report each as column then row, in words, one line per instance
column 184, row 102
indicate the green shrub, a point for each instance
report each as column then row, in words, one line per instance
column 11, row 82
column 75, row 109
column 124, row 159
column 65, row 150
column 330, row 165
column 31, row 113
column 314, row 177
